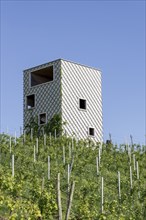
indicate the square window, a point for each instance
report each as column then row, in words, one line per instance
column 82, row 103
column 42, row 119
column 91, row 131
column 30, row 101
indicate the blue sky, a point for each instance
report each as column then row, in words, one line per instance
column 109, row 35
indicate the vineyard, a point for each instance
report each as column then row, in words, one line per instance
column 52, row 178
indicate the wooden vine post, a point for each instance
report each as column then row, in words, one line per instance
column 99, row 156
column 63, row 154
column 37, row 145
column 15, row 140
column 137, row 170
column 97, row 167
column 131, row 185
column 34, row 154
column 13, row 165
column 72, row 144
column 59, row 198
column 55, row 135
column 48, row 167
column 119, row 185
column 44, row 140
column 134, row 162
column 10, row 145
column 50, row 138
column 24, row 136
column 70, row 201
column 69, row 149
column 68, row 177
column 102, row 195
column 31, row 134
column 43, row 183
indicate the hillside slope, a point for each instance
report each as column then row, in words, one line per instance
column 114, row 175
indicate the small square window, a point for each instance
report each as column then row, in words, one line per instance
column 30, row 101
column 91, row 131
column 42, row 119
column 82, row 103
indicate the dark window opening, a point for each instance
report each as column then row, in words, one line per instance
column 91, row 131
column 42, row 119
column 42, row 76
column 30, row 101
column 82, row 104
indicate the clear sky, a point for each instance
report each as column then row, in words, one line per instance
column 109, row 35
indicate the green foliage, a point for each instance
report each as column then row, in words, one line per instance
column 30, row 195
column 33, row 124
column 53, row 125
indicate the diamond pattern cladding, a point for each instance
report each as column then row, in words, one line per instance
column 83, row 82
column 47, row 95
column 71, row 82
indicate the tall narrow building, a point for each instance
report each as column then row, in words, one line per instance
column 69, row 88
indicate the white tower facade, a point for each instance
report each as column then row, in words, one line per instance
column 65, row 87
